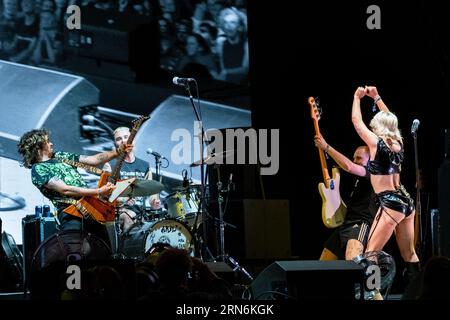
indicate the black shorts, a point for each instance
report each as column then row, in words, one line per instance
column 337, row 242
column 398, row 200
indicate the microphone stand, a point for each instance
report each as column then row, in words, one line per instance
column 418, row 241
column 158, row 167
column 201, row 209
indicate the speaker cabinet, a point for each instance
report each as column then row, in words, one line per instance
column 444, row 207
column 256, row 229
column 267, row 229
column 34, row 232
column 308, row 280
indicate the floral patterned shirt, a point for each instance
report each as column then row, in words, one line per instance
column 42, row 172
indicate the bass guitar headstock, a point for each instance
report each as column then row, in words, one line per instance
column 316, row 111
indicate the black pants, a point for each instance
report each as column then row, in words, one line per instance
column 69, row 222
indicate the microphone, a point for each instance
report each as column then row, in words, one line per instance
column 185, row 178
column 230, row 183
column 415, row 126
column 154, row 153
column 182, row 81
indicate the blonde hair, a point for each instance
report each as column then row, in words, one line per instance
column 120, row 129
column 385, row 124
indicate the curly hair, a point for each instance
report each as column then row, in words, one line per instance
column 30, row 144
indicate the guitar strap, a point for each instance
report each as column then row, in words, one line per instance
column 86, row 167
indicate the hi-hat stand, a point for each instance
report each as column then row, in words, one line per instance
column 223, row 257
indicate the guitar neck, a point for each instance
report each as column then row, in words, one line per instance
column 86, row 167
column 323, row 161
column 115, row 174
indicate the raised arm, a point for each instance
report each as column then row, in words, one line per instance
column 60, row 186
column 373, row 93
column 368, row 136
column 101, row 158
column 343, row 162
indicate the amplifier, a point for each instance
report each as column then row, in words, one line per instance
column 34, row 232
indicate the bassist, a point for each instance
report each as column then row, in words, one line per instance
column 349, row 239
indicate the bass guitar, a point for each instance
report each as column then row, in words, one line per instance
column 333, row 208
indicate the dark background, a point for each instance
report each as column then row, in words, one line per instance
column 300, row 49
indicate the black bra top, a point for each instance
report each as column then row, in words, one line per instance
column 386, row 161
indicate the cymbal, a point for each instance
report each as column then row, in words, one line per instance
column 210, row 159
column 191, row 186
column 142, row 188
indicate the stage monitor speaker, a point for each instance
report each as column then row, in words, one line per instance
column 171, row 132
column 308, row 280
column 444, row 207
column 222, row 270
column 34, row 98
column 35, row 231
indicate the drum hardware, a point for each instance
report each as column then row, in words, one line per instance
column 134, row 187
column 224, row 257
column 211, row 159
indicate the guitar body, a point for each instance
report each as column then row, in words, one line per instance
column 333, row 208
column 100, row 209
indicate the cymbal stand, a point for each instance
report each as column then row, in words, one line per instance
column 158, row 178
column 222, row 255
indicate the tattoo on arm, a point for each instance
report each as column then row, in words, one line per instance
column 102, row 157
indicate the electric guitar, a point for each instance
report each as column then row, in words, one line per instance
column 333, row 208
column 98, row 207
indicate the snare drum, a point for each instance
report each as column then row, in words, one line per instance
column 136, row 243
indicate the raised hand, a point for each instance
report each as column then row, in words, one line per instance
column 371, row 91
column 359, row 93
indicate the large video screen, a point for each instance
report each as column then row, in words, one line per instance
column 195, row 38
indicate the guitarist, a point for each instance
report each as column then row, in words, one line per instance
column 132, row 167
column 61, row 182
column 349, row 240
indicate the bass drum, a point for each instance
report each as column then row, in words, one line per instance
column 11, row 265
column 48, row 271
column 137, row 242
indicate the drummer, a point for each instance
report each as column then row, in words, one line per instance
column 132, row 167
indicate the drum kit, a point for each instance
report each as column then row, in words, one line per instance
column 172, row 225
column 176, row 224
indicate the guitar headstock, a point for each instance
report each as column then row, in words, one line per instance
column 316, row 111
column 139, row 121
